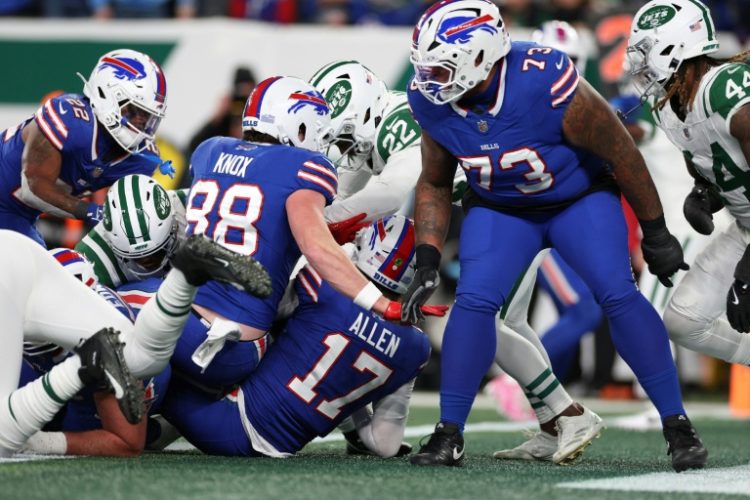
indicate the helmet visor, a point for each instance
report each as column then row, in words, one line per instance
column 139, row 119
column 437, row 81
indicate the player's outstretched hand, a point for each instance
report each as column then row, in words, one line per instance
column 661, row 251
column 394, row 311
column 344, row 231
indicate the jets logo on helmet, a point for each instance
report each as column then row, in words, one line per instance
column 357, row 99
column 311, row 98
column 141, row 226
column 663, row 35
column 460, row 29
column 386, row 252
column 656, row 16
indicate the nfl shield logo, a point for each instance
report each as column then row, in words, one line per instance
column 97, row 172
column 482, row 126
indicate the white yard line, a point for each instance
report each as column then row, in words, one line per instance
column 729, row 480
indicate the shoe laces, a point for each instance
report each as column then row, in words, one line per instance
column 681, row 436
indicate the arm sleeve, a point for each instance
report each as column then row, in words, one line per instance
column 386, row 193
column 383, row 431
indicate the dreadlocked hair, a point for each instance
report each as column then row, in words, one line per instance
column 685, row 81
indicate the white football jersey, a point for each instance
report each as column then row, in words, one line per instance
column 394, row 167
column 704, row 136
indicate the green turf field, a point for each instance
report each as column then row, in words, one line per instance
column 323, row 472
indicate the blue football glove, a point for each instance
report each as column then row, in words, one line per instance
column 94, row 212
column 166, row 168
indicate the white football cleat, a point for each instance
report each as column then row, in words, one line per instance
column 541, row 446
column 574, row 434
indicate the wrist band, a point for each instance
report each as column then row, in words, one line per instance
column 367, row 297
column 81, row 210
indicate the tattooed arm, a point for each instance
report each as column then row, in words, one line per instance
column 41, row 164
column 432, row 210
column 585, row 118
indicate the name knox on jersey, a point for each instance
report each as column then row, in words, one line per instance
column 375, row 334
column 232, row 164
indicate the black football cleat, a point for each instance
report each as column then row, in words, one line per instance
column 202, row 260
column 355, row 446
column 445, row 447
column 683, row 444
column 103, row 366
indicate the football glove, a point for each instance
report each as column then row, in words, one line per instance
column 661, row 251
column 699, row 207
column 738, row 306
column 738, row 298
column 345, row 231
column 426, row 281
column 394, row 311
column 94, row 212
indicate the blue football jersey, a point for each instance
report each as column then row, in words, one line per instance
column 87, row 150
column 333, row 358
column 514, row 153
column 238, row 198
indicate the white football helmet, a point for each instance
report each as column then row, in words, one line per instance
column 76, row 264
column 128, row 93
column 664, row 34
column 357, row 99
column 140, row 224
column 562, row 36
column 454, row 46
column 386, row 252
column 290, row 110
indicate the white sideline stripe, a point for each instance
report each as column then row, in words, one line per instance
column 28, row 457
column 729, row 480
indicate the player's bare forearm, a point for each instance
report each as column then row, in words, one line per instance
column 41, row 164
column 117, row 438
column 304, row 210
column 739, row 127
column 432, row 213
column 432, row 207
column 591, row 124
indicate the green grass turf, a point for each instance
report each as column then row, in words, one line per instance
column 323, row 472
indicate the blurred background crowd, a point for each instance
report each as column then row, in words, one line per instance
column 729, row 15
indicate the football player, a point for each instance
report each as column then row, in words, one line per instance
column 703, row 105
column 525, row 127
column 92, row 424
column 43, row 303
column 264, row 195
column 333, row 358
column 378, row 142
column 75, row 144
column 142, row 224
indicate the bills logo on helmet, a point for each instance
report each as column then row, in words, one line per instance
column 124, row 68
column 310, row 98
column 460, row 29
